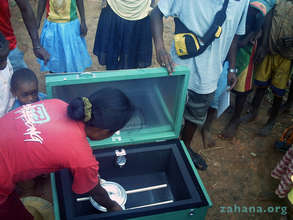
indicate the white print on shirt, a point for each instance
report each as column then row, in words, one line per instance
column 33, row 114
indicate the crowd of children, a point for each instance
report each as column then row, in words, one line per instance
column 261, row 58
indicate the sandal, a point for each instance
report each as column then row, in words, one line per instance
column 198, row 161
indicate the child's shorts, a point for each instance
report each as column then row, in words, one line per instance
column 245, row 66
column 197, row 106
column 275, row 71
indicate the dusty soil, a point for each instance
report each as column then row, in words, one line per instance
column 239, row 170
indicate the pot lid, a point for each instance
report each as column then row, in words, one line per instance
column 115, row 191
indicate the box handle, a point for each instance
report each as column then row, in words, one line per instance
column 87, row 75
column 191, row 212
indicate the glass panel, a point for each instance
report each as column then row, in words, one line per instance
column 156, row 101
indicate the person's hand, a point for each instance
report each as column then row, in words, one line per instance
column 232, row 80
column 83, row 29
column 115, row 207
column 42, row 54
column 104, row 3
column 260, row 54
column 164, row 59
column 256, row 37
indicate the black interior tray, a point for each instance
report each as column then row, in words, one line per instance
column 147, row 165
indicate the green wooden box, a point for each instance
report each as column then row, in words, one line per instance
column 159, row 100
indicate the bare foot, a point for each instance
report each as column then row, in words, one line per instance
column 207, row 138
column 231, row 129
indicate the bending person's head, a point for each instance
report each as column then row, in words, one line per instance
column 104, row 112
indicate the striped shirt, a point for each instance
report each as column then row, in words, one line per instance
column 61, row 11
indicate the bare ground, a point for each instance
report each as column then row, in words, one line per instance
column 239, row 170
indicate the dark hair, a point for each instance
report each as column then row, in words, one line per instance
column 111, row 109
column 4, row 44
column 20, row 76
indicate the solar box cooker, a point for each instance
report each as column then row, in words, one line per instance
column 145, row 157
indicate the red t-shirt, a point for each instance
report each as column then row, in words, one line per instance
column 40, row 138
column 5, row 24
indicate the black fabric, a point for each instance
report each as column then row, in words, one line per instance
column 121, row 43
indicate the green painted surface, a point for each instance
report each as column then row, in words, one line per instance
column 188, row 214
column 55, row 197
column 150, row 135
column 92, row 77
column 144, row 135
column 196, row 174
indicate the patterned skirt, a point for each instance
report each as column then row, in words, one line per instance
column 284, row 172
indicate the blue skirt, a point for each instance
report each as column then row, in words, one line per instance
column 123, row 44
column 67, row 49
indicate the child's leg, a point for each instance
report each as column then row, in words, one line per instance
column 263, row 75
column 266, row 130
column 280, row 78
column 187, row 132
column 252, row 114
column 231, row 127
column 282, row 166
column 195, row 114
column 289, row 103
column 207, row 139
column 285, row 184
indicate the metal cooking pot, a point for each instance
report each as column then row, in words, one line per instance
column 115, row 191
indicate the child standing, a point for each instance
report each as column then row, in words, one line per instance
column 123, row 39
column 245, row 60
column 6, row 98
column 24, row 86
column 63, row 36
column 274, row 56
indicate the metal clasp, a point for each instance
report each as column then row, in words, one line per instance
column 120, row 157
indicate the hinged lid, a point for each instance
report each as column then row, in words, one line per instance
column 159, row 100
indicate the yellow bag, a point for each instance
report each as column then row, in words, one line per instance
column 187, row 44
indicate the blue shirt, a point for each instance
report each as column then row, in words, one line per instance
column 198, row 15
column 17, row 103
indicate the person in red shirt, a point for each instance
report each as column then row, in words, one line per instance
column 50, row 135
column 16, row 56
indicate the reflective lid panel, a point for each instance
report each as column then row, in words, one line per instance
column 158, row 99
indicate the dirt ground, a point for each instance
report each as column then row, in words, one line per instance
column 239, row 170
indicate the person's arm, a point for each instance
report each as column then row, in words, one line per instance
column 100, row 195
column 31, row 26
column 104, row 3
column 83, row 27
column 153, row 3
column 86, row 180
column 163, row 57
column 40, row 12
column 232, row 78
column 263, row 48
